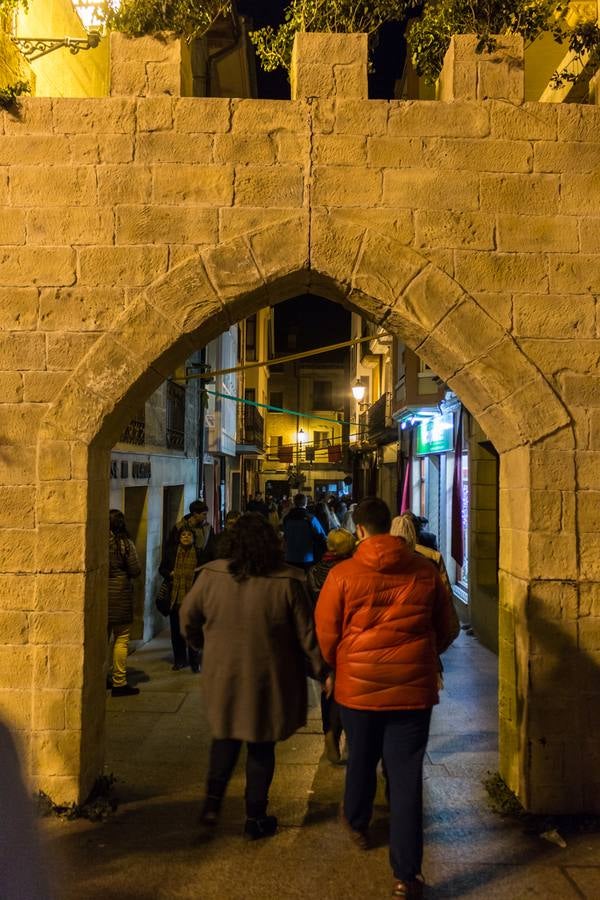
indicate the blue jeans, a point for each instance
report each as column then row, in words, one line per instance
column 399, row 737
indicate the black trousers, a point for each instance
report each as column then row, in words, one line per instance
column 182, row 652
column 330, row 715
column 260, row 766
column 399, row 737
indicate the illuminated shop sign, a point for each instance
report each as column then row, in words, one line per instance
column 436, row 435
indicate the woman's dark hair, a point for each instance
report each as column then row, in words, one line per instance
column 255, row 547
column 117, row 523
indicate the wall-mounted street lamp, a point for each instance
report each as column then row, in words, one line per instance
column 358, row 390
column 301, row 437
column 91, row 16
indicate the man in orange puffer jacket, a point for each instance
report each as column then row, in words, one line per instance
column 382, row 618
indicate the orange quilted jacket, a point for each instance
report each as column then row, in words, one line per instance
column 382, row 619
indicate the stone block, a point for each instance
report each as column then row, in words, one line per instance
column 516, row 272
column 426, row 189
column 59, row 593
column 15, row 709
column 193, row 185
column 202, row 114
column 42, row 387
column 154, row 113
column 520, row 194
column 362, row 117
column 546, row 510
column 426, row 118
column 95, row 115
column 36, row 149
column 232, row 270
column 144, row 337
column 589, row 599
column 17, row 505
column 56, row 752
column 70, row 225
column 589, row 229
column 12, row 226
column 588, row 511
column 335, row 246
column 65, row 351
column 266, row 116
column 476, row 155
column 580, row 195
column 19, row 422
column 235, row 221
column 291, row 147
column 567, row 156
column 529, row 122
column 244, row 149
column 552, row 470
column 329, row 65
column 281, row 249
column 450, row 228
column 574, row 273
column 394, row 223
column 521, row 233
column 268, row 187
column 60, row 548
column 62, row 501
column 34, row 116
column 57, row 185
column 145, row 65
column 18, row 309
column 153, row 224
column 553, row 556
column 14, row 627
column 339, row 186
column 589, row 556
column 554, row 316
column 581, row 390
column 91, row 149
column 48, row 711
column 124, row 184
column 378, row 278
column 80, row 309
column 578, row 122
column 14, row 661
column 17, row 464
column 497, row 75
column 56, row 628
column 54, row 461
column 340, row 150
column 44, row 266
column 392, row 152
column 169, row 147
column 121, row 266
column 186, row 298
column 11, row 387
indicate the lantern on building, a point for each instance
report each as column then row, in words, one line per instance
column 93, row 12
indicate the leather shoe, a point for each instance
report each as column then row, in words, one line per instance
column 125, row 691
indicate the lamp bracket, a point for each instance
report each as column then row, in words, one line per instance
column 34, row 48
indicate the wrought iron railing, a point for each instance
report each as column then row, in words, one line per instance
column 379, row 417
column 135, row 432
column 175, row 416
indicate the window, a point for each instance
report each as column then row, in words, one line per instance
column 320, row 439
column 292, row 340
column 322, row 395
column 251, row 338
column 250, row 394
column 276, row 399
column 275, row 442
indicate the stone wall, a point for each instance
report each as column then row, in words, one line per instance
column 136, row 228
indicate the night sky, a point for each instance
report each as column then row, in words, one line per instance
column 318, row 322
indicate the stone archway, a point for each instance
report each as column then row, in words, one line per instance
column 377, row 276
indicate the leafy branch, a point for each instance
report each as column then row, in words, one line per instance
column 9, row 94
column 188, row 18
column 274, row 45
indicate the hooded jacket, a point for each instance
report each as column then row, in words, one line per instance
column 382, row 618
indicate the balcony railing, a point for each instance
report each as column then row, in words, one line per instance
column 376, row 424
column 135, row 432
column 175, row 416
column 253, row 428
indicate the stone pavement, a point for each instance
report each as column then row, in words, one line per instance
column 151, row 848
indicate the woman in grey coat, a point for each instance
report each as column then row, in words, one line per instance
column 123, row 566
column 255, row 615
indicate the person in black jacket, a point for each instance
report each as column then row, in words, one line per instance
column 340, row 546
column 304, row 538
column 204, row 535
column 180, row 566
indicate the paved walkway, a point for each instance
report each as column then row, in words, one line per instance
column 157, row 748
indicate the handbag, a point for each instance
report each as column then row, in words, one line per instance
column 163, row 598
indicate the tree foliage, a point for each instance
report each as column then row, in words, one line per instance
column 9, row 94
column 188, row 18
column 274, row 45
column 429, row 36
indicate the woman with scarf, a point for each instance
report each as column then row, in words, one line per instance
column 180, row 567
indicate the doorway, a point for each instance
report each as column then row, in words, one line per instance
column 136, row 518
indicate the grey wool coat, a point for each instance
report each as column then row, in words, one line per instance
column 258, row 638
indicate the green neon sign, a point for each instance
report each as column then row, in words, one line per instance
column 435, row 435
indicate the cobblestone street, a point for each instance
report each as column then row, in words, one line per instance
column 157, row 748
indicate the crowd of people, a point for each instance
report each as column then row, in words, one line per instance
column 359, row 601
